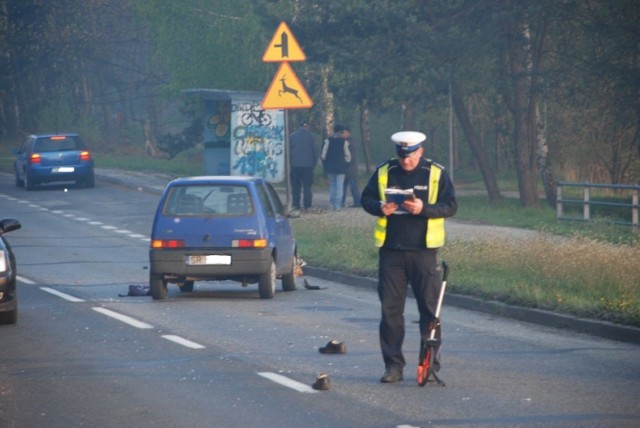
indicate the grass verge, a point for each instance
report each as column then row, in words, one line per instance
column 589, row 271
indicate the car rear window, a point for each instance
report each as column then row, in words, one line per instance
column 57, row 144
column 208, row 200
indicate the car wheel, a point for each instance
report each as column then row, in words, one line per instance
column 267, row 282
column 28, row 182
column 89, row 182
column 158, row 287
column 289, row 279
column 19, row 183
column 10, row 317
column 186, row 287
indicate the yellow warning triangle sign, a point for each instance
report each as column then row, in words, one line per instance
column 286, row 91
column 283, row 47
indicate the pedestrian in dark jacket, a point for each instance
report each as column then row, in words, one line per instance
column 303, row 158
column 335, row 158
column 351, row 178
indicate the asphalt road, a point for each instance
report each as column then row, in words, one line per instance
column 82, row 355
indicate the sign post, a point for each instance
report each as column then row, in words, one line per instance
column 286, row 91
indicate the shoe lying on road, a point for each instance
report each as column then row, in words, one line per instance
column 334, row 347
column 322, row 383
column 392, row 376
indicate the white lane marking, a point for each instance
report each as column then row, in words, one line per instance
column 96, row 223
column 289, row 383
column 123, row 231
column 136, row 235
column 107, row 227
column 124, row 318
column 25, row 280
column 60, row 294
column 182, row 341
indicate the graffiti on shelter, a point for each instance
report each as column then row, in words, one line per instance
column 257, row 143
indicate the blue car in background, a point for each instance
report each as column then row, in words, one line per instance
column 47, row 158
column 221, row 228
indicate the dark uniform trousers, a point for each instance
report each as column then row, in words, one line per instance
column 397, row 269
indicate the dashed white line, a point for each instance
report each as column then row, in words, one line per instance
column 124, row 318
column 182, row 341
column 289, row 383
column 25, row 280
column 60, row 294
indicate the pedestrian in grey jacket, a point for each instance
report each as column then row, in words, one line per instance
column 303, row 157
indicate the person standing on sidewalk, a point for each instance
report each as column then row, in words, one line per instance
column 303, row 158
column 409, row 236
column 335, row 158
column 351, row 178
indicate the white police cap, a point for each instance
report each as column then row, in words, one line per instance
column 407, row 142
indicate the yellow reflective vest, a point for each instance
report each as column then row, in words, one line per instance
column 435, row 226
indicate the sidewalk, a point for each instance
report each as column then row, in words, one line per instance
column 456, row 229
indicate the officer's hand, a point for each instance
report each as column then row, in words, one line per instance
column 389, row 208
column 413, row 206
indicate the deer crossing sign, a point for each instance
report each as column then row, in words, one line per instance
column 286, row 91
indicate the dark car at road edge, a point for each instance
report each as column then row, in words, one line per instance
column 8, row 293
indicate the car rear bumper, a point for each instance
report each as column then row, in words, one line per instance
column 44, row 174
column 243, row 262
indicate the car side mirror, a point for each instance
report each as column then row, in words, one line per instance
column 9, row 224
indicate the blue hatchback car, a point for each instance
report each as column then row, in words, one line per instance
column 221, row 228
column 46, row 158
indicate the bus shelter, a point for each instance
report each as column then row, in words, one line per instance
column 241, row 138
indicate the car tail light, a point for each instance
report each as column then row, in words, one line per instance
column 85, row 155
column 35, row 158
column 167, row 243
column 249, row 243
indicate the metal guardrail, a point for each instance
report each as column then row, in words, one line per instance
column 587, row 202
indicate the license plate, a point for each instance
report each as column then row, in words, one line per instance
column 211, row 259
column 64, row 169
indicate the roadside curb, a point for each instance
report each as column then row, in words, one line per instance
column 598, row 328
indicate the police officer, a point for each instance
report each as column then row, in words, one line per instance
column 408, row 235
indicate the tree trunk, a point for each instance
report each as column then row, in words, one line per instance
column 408, row 116
column 474, row 143
column 542, row 158
column 519, row 53
column 327, row 99
column 366, row 134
